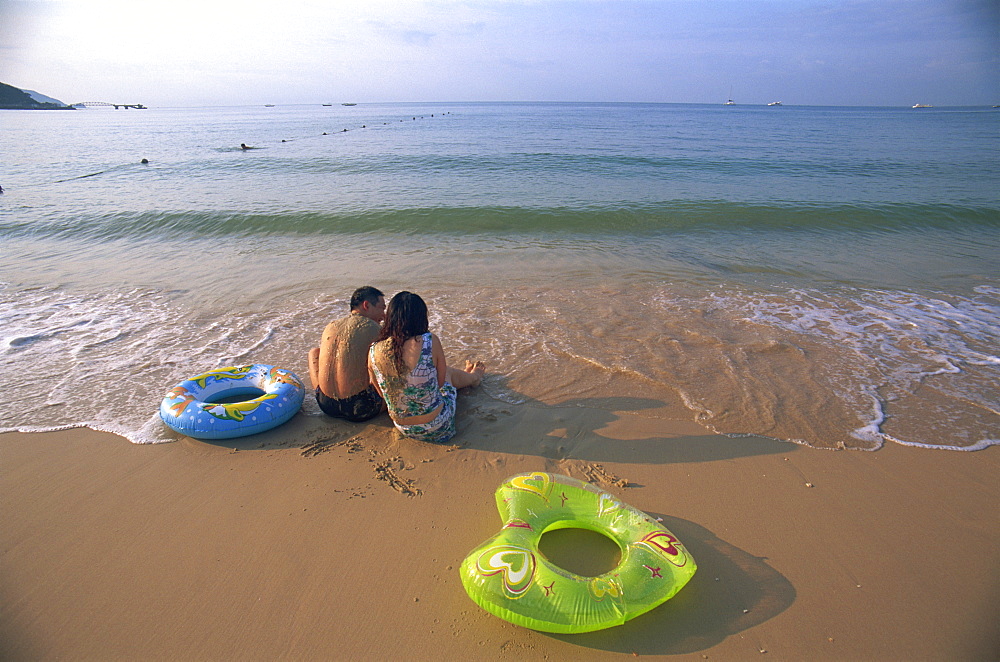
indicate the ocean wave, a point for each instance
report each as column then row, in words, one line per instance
column 665, row 218
column 619, row 166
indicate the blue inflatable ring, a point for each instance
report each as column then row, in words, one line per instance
column 203, row 407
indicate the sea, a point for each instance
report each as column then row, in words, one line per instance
column 828, row 276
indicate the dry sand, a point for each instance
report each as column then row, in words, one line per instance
column 268, row 548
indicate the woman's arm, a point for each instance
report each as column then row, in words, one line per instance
column 437, row 352
column 371, row 372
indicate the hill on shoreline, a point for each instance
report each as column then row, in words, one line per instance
column 13, row 98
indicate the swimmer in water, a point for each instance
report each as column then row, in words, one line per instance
column 245, row 146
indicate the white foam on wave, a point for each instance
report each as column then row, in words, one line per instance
column 978, row 446
column 910, row 339
column 104, row 360
column 871, row 432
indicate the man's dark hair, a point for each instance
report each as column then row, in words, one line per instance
column 365, row 293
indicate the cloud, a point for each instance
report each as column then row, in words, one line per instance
column 642, row 50
column 402, row 34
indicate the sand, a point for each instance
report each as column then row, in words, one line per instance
column 268, row 548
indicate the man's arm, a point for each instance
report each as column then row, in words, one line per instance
column 327, row 359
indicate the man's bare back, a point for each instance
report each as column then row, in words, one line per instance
column 338, row 368
column 343, row 355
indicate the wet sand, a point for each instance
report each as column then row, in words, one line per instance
column 347, row 546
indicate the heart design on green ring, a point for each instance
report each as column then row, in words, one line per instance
column 515, row 564
column 600, row 587
column 663, row 544
column 607, row 504
column 537, row 483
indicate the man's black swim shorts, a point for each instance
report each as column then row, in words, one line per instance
column 356, row 408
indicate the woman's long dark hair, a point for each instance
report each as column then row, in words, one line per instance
column 405, row 318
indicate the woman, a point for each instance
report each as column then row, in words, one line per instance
column 407, row 364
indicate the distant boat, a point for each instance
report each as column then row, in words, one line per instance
column 729, row 103
column 922, row 105
column 774, row 103
column 348, row 104
column 327, row 104
column 269, row 105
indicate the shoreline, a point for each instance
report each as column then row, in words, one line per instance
column 305, row 545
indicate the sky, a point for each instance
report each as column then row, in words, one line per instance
column 237, row 52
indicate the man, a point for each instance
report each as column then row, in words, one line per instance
column 338, row 368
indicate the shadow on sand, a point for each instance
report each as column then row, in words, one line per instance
column 585, row 429
column 732, row 591
column 577, row 429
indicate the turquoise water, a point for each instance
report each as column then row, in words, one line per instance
column 822, row 275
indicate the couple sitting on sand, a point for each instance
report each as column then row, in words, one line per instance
column 360, row 364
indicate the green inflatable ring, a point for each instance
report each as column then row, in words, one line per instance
column 508, row 576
